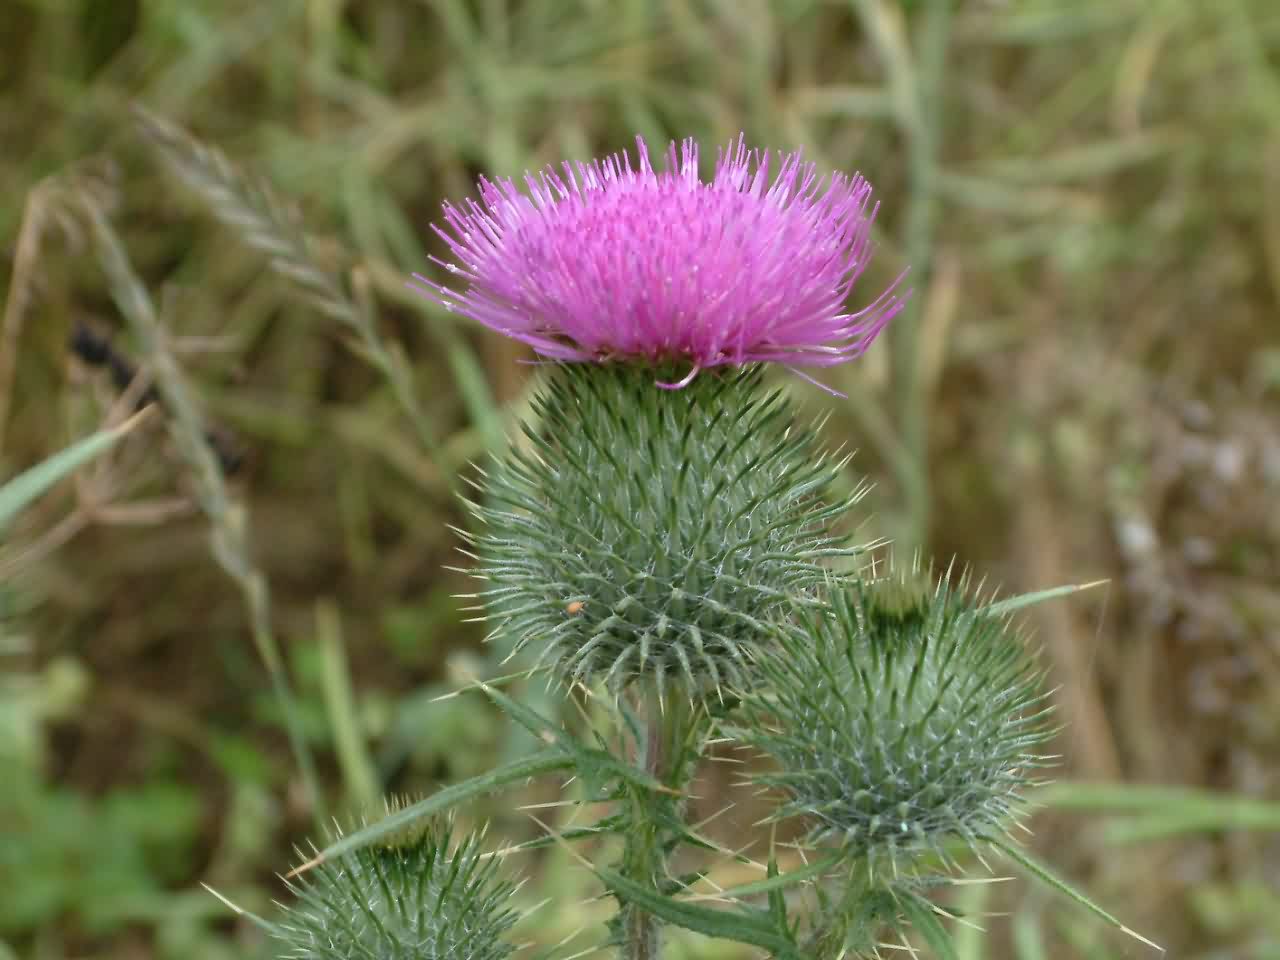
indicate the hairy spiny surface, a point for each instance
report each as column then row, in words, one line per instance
column 900, row 718
column 416, row 899
column 654, row 533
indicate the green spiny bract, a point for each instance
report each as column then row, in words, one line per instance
column 901, row 718
column 654, row 533
column 412, row 899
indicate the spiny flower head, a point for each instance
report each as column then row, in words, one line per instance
column 421, row 896
column 614, row 259
column 654, row 535
column 903, row 717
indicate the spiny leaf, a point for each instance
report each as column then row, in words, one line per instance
column 240, row 911
column 777, row 882
column 544, row 761
column 1024, row 600
column 594, row 766
column 728, row 925
column 1046, row 876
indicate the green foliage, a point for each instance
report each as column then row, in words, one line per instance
column 903, row 718
column 100, row 863
column 651, row 533
column 420, row 896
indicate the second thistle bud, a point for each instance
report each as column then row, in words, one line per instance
column 902, row 718
column 653, row 534
column 425, row 896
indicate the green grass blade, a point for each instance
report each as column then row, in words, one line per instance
column 1028, row 944
column 1161, row 826
column 970, row 939
column 1153, row 812
column 358, row 770
column 1156, row 799
column 26, row 487
column 924, row 921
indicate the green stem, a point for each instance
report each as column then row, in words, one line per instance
column 915, row 84
column 849, row 925
column 922, row 167
column 645, row 857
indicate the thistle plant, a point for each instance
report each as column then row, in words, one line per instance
column 665, row 535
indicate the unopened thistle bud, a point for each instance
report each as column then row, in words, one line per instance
column 902, row 718
column 654, row 534
column 417, row 898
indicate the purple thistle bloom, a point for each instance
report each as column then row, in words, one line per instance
column 609, row 261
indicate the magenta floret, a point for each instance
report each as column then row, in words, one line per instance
column 613, row 261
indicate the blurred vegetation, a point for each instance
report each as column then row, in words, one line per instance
column 1087, row 386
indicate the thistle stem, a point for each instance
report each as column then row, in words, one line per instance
column 645, row 858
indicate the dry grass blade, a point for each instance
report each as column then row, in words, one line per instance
column 34, row 216
column 227, row 521
column 251, row 209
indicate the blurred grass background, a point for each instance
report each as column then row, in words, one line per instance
column 1086, row 387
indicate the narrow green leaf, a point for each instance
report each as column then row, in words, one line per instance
column 20, row 491
column 725, row 924
column 600, row 828
column 1016, row 603
column 594, row 766
column 1050, row 879
column 1149, row 798
column 777, row 881
column 777, row 902
column 919, row 912
column 969, row 938
column 1028, row 944
column 544, row 761
column 1156, row 812
column 358, row 771
column 1001, row 607
column 527, row 717
column 1160, row 825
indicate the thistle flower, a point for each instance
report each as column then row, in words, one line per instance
column 650, row 534
column 421, row 897
column 615, row 260
column 901, row 718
